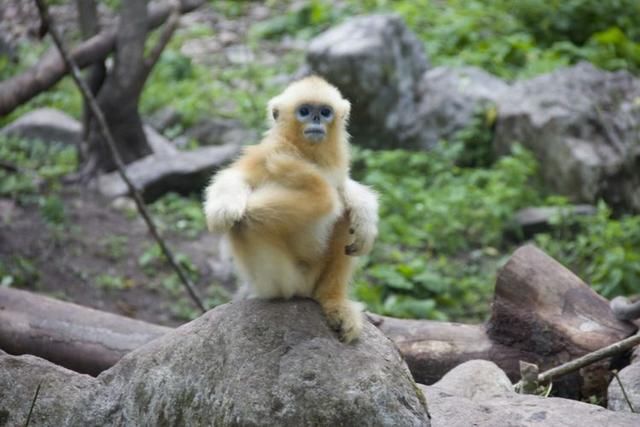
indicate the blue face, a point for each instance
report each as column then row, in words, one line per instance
column 315, row 119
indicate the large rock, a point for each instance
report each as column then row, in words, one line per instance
column 218, row 131
column 540, row 219
column 476, row 394
column 183, row 172
column 248, row 363
column 449, row 97
column 45, row 124
column 377, row 63
column 630, row 379
column 583, row 124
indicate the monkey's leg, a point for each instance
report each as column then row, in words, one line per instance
column 331, row 289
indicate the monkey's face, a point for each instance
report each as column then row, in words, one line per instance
column 314, row 120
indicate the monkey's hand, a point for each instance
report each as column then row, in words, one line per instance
column 226, row 200
column 362, row 207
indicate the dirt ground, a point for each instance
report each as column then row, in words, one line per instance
column 94, row 259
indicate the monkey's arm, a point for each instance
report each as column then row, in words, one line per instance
column 295, row 196
column 362, row 205
column 226, row 199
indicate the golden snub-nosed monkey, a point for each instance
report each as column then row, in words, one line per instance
column 293, row 216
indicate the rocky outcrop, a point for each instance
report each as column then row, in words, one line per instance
column 450, row 97
column 247, row 363
column 630, row 379
column 45, row 124
column 475, row 393
column 377, row 63
column 583, row 125
column 181, row 172
column 380, row 65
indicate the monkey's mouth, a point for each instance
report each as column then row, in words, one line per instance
column 314, row 135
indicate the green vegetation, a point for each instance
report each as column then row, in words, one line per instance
column 34, row 167
column 523, row 38
column 19, row 272
column 441, row 229
column 605, row 251
column 178, row 214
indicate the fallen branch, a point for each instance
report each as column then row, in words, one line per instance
column 102, row 123
column 624, row 392
column 76, row 337
column 589, row 358
column 19, row 89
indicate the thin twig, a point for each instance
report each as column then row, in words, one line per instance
column 97, row 113
column 624, row 392
column 163, row 40
column 33, row 404
column 589, row 358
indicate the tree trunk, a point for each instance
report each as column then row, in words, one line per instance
column 50, row 68
column 119, row 95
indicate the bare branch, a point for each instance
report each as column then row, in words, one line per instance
column 165, row 36
column 19, row 89
column 589, row 358
column 99, row 116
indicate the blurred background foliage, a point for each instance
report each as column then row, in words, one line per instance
column 445, row 215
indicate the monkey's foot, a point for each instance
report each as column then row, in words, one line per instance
column 345, row 317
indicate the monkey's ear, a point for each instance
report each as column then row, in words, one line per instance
column 273, row 111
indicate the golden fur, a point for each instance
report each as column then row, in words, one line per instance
column 291, row 211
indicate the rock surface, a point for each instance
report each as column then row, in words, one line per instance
column 490, row 403
column 157, row 174
column 630, row 379
column 534, row 220
column 216, row 131
column 377, row 64
column 246, row 363
column 476, row 380
column 45, row 124
column 583, row 125
column 449, row 99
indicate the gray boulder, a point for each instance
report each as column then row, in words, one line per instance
column 217, row 131
column 630, row 379
column 475, row 380
column 449, row 98
column 45, row 124
column 247, row 363
column 183, row 172
column 539, row 219
column 583, row 124
column 377, row 63
column 478, row 394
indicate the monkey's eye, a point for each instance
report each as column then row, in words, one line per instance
column 303, row 111
column 326, row 112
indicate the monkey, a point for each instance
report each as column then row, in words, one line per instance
column 294, row 217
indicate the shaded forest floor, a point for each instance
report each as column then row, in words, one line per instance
column 100, row 255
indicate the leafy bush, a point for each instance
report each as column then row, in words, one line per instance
column 440, row 226
column 39, row 165
column 605, row 252
column 179, row 214
column 524, row 38
column 575, row 20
